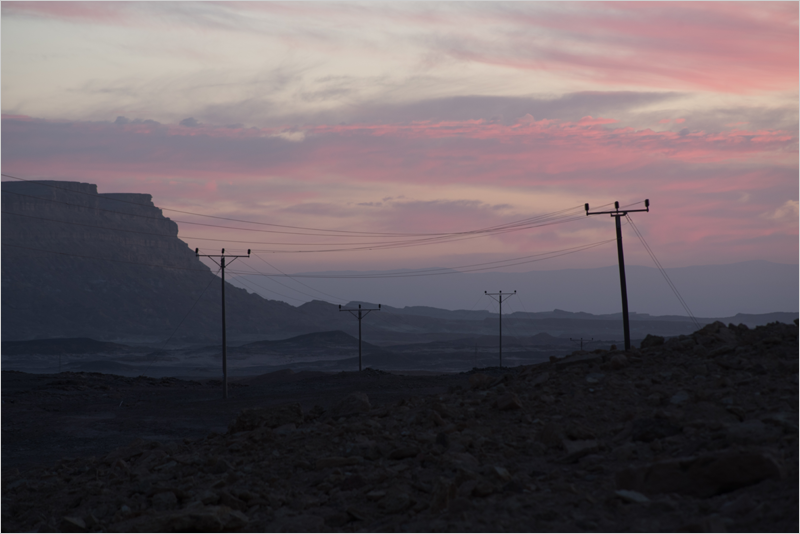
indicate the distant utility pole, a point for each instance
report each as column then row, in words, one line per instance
column 221, row 263
column 623, row 287
column 581, row 340
column 361, row 314
column 499, row 297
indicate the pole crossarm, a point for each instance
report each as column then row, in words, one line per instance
column 222, row 266
column 621, row 258
column 500, row 298
column 359, row 313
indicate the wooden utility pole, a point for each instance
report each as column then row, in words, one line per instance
column 221, row 263
column 621, row 258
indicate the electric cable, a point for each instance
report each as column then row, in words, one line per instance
column 663, row 272
column 298, row 281
column 337, row 232
column 531, row 222
column 452, row 270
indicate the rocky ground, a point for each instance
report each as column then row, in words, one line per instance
column 696, row 434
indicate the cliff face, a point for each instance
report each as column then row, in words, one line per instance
column 76, row 263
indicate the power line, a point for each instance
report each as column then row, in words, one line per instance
column 524, row 224
column 452, row 270
column 663, row 272
column 336, row 232
column 298, row 281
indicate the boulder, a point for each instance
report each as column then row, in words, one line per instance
column 701, row 476
column 271, row 417
column 353, row 403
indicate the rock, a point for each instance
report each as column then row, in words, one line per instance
column 480, row 381
column 72, row 524
column 618, row 361
column 395, row 502
column 403, row 452
column 551, row 435
column 338, row 461
column 443, row 492
column 650, row 429
column 483, row 488
column 193, row 519
column 166, row 500
column 681, row 397
column 353, row 403
column 271, row 417
column 578, row 449
column 631, row 496
column 577, row 360
column 376, row 495
column 509, row 401
column 502, row 473
column 651, row 341
column 752, row 431
column 701, row 476
column 787, row 421
column 218, row 466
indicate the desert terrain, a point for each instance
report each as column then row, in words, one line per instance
column 695, row 433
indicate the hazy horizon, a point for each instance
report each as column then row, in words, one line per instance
column 709, row 291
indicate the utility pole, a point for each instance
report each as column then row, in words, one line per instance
column 623, row 287
column 361, row 314
column 221, row 263
column 500, row 298
column 581, row 340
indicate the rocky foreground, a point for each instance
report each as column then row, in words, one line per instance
column 698, row 434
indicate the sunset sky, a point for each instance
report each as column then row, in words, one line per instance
column 421, row 118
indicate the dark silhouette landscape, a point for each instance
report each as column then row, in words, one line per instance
column 113, row 418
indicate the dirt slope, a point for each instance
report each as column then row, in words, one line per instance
column 696, row 434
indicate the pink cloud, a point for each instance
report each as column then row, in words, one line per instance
column 462, row 151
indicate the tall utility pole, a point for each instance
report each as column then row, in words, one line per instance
column 623, row 287
column 499, row 297
column 221, row 263
column 361, row 314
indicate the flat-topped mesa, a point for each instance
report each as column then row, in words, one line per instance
column 110, row 266
column 71, row 217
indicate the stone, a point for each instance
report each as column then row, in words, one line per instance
column 651, row 341
column 618, row 361
column 701, row 476
column 271, row 417
column 577, row 449
column 752, row 431
column 338, row 461
column 480, row 381
column 681, row 397
column 632, row 496
column 502, row 473
column 649, row 429
column 509, row 401
column 72, row 524
column 395, row 502
column 483, row 488
column 443, row 492
column 165, row 500
column 403, row 452
column 357, row 402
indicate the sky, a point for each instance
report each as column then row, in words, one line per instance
column 379, row 122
